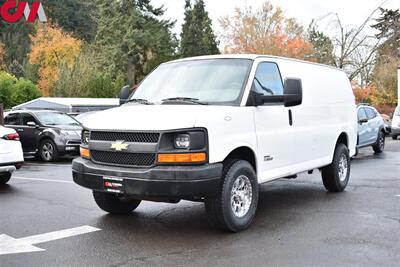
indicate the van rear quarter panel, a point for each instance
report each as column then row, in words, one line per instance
column 328, row 109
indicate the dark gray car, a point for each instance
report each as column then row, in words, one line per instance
column 47, row 134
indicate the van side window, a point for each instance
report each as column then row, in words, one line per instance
column 12, row 119
column 361, row 114
column 267, row 80
column 370, row 113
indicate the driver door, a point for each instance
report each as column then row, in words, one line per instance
column 274, row 132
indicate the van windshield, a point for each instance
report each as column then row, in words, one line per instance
column 397, row 111
column 209, row 81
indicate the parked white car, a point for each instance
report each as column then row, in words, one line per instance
column 396, row 123
column 11, row 155
column 213, row 128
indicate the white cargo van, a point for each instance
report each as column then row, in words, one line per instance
column 213, row 128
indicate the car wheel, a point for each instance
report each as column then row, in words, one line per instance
column 48, row 150
column 4, row 178
column 380, row 143
column 115, row 204
column 336, row 175
column 235, row 205
column 394, row 137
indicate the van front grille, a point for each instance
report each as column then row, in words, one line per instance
column 134, row 137
column 123, row 158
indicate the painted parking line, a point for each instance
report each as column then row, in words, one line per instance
column 10, row 245
column 43, row 180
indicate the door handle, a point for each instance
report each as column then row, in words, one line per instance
column 290, row 117
column 20, row 130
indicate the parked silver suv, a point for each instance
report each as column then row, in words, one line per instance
column 371, row 128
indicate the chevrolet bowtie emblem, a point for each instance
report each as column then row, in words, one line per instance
column 119, row 146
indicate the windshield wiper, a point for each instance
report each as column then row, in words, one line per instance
column 139, row 100
column 184, row 99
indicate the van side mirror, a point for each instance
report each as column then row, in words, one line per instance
column 292, row 95
column 293, row 92
column 124, row 94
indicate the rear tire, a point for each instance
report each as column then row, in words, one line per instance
column 4, row 178
column 380, row 143
column 114, row 204
column 235, row 205
column 336, row 175
column 48, row 150
column 394, row 137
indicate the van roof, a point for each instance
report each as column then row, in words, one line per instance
column 251, row 57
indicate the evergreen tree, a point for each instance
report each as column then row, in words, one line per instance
column 132, row 38
column 197, row 37
column 322, row 46
column 74, row 16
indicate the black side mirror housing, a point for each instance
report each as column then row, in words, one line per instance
column 124, row 94
column 292, row 95
column 362, row 121
column 293, row 92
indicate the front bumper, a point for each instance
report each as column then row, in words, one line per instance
column 395, row 130
column 68, row 146
column 177, row 182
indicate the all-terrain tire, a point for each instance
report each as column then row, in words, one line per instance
column 336, row 175
column 115, row 204
column 239, row 182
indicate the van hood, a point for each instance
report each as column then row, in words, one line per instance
column 153, row 117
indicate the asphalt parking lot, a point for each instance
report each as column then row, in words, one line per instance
column 297, row 223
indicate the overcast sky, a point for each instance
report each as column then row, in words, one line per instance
column 351, row 12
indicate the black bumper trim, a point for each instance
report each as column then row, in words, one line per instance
column 184, row 182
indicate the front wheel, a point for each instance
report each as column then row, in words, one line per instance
column 235, row 205
column 48, row 150
column 380, row 143
column 115, row 204
column 336, row 175
column 4, row 178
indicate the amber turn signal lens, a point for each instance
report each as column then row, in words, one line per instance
column 85, row 153
column 182, row 158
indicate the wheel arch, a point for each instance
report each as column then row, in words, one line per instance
column 343, row 138
column 243, row 153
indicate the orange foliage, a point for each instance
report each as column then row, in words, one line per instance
column 50, row 48
column 264, row 31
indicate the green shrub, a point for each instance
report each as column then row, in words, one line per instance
column 15, row 91
column 7, row 82
column 24, row 91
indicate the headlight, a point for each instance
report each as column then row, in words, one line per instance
column 182, row 141
column 69, row 133
column 85, row 137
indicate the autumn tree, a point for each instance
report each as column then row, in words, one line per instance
column 265, row 30
column 197, row 37
column 50, row 48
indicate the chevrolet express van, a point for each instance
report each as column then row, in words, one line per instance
column 213, row 129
